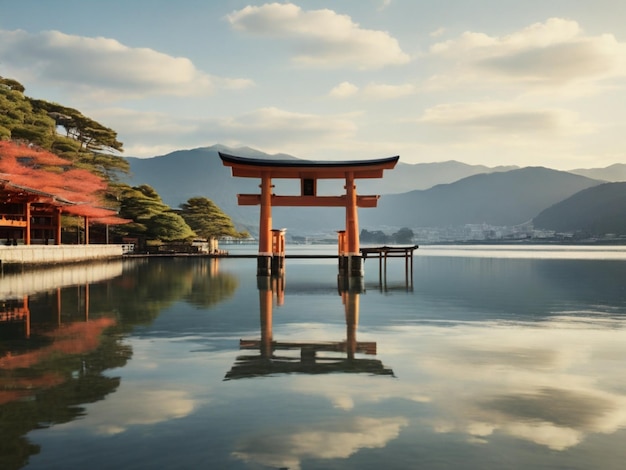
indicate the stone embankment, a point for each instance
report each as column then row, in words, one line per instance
column 32, row 255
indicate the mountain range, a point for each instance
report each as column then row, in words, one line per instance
column 500, row 199
column 412, row 195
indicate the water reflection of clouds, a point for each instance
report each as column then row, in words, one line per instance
column 553, row 385
column 135, row 404
column 150, row 390
column 146, row 407
column 347, row 392
column 336, row 439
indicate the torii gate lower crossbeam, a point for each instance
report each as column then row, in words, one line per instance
column 308, row 172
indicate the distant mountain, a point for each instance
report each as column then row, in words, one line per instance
column 613, row 173
column 183, row 174
column 502, row 199
column 411, row 176
column 597, row 211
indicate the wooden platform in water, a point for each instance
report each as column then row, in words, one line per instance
column 368, row 252
column 389, row 251
column 383, row 253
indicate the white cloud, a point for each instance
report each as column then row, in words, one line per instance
column 344, row 90
column 381, row 91
column 151, row 132
column 543, row 55
column 500, row 133
column 322, row 38
column 438, row 32
column 384, row 4
column 269, row 129
column 105, row 68
column 501, row 118
column 267, row 126
column 373, row 91
column 144, row 123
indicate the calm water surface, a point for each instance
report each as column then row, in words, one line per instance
column 489, row 358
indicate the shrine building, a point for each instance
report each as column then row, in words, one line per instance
column 30, row 216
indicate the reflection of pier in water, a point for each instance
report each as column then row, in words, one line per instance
column 316, row 357
column 15, row 314
column 15, row 289
column 15, row 317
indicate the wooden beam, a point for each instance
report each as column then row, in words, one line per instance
column 11, row 220
column 291, row 173
column 307, row 201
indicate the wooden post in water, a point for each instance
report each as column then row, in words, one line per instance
column 278, row 252
column 355, row 262
column 341, row 253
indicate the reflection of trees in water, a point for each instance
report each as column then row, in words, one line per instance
column 206, row 290
column 52, row 389
column 147, row 287
column 76, row 334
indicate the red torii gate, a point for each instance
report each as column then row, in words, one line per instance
column 308, row 172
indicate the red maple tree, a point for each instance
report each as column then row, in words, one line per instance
column 78, row 190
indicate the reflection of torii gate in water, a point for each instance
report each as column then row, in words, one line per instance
column 308, row 172
column 269, row 363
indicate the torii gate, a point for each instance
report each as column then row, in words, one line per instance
column 308, row 172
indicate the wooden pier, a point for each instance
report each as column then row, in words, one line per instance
column 383, row 253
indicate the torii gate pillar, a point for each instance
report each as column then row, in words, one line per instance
column 354, row 262
column 264, row 258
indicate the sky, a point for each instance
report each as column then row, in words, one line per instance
column 490, row 82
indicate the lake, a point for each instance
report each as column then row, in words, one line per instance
column 490, row 357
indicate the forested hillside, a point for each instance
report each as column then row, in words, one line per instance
column 86, row 145
column 85, row 142
column 595, row 211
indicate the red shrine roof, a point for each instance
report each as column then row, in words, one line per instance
column 11, row 192
column 296, row 168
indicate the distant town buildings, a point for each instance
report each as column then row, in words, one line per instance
column 479, row 233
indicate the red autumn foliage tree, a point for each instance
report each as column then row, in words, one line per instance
column 44, row 171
